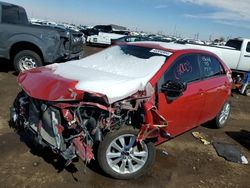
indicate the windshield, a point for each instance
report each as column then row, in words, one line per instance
column 117, row 72
column 125, row 60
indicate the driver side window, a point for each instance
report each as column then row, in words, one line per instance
column 185, row 69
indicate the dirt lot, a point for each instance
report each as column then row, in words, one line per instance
column 188, row 164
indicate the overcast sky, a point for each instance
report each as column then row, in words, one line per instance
column 182, row 17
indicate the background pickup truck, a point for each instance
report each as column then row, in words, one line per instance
column 102, row 34
column 235, row 54
column 29, row 46
column 102, row 38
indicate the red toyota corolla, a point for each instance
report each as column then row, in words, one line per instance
column 123, row 100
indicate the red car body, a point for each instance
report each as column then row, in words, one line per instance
column 164, row 117
column 200, row 103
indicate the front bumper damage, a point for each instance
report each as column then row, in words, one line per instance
column 89, row 122
column 155, row 125
column 71, row 121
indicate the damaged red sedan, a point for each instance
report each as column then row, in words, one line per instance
column 124, row 100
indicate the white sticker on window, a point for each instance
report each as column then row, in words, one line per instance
column 161, row 52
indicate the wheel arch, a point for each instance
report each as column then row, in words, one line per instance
column 23, row 45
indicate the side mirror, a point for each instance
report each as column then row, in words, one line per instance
column 173, row 89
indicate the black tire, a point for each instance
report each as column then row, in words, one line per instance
column 247, row 91
column 104, row 146
column 225, row 108
column 33, row 59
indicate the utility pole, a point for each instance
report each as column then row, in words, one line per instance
column 174, row 31
column 210, row 37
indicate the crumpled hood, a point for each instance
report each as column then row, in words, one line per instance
column 46, row 84
column 42, row 83
column 110, row 72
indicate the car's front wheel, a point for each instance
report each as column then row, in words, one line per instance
column 119, row 156
column 26, row 59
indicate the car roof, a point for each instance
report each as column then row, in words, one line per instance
column 7, row 4
column 171, row 46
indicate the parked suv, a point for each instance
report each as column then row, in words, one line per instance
column 124, row 100
column 29, row 46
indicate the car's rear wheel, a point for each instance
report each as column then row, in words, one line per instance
column 119, row 156
column 223, row 116
column 26, row 59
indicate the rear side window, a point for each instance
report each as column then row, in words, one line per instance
column 185, row 69
column 13, row 15
column 248, row 47
column 235, row 44
column 10, row 14
column 210, row 66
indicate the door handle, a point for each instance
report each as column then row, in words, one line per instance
column 246, row 55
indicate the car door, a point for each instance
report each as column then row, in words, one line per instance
column 245, row 58
column 183, row 113
column 215, row 85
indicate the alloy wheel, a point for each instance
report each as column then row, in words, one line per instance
column 224, row 113
column 27, row 63
column 123, row 155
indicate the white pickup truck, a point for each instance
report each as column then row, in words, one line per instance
column 236, row 54
column 103, row 38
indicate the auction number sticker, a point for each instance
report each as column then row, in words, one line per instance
column 161, row 52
